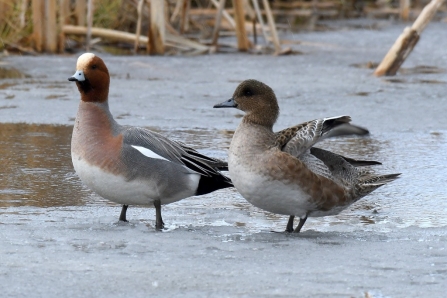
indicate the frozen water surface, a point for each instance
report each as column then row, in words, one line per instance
column 57, row 238
column 38, row 172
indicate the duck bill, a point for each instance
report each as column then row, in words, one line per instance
column 227, row 104
column 77, row 77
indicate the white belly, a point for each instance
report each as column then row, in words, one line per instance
column 117, row 189
column 268, row 194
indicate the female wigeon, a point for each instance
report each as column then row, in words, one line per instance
column 282, row 172
column 132, row 165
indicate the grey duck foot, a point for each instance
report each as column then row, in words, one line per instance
column 300, row 225
column 289, row 227
column 159, row 224
column 123, row 213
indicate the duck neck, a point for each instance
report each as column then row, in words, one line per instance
column 266, row 121
column 95, row 115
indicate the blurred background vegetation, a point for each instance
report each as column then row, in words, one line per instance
column 16, row 16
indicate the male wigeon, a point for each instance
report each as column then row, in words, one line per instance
column 132, row 165
column 282, row 172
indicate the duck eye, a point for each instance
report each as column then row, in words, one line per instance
column 248, row 92
column 94, row 66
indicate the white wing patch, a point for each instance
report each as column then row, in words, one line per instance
column 149, row 153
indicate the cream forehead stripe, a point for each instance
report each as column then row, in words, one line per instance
column 84, row 59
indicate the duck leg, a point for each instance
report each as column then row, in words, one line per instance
column 123, row 213
column 159, row 224
column 289, row 227
column 300, row 225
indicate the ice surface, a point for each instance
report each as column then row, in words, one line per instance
column 58, row 239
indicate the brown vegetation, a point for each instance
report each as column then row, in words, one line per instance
column 174, row 26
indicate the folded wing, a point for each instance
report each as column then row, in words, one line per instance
column 172, row 151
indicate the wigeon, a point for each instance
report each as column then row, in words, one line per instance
column 282, row 172
column 132, row 165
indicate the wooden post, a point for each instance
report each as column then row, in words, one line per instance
column 89, row 25
column 50, row 27
column 138, row 31
column 406, row 41
column 23, row 8
column 45, row 25
column 64, row 11
column 261, row 21
column 38, row 7
column 176, row 12
column 181, row 8
column 80, row 12
column 216, row 30
column 272, row 26
column 156, row 44
column 404, row 9
column 241, row 33
column 225, row 14
column 184, row 20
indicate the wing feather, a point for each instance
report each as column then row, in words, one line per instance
column 298, row 139
column 173, row 151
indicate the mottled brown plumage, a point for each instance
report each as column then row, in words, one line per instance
column 282, row 172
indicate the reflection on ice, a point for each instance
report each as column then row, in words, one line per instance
column 38, row 172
